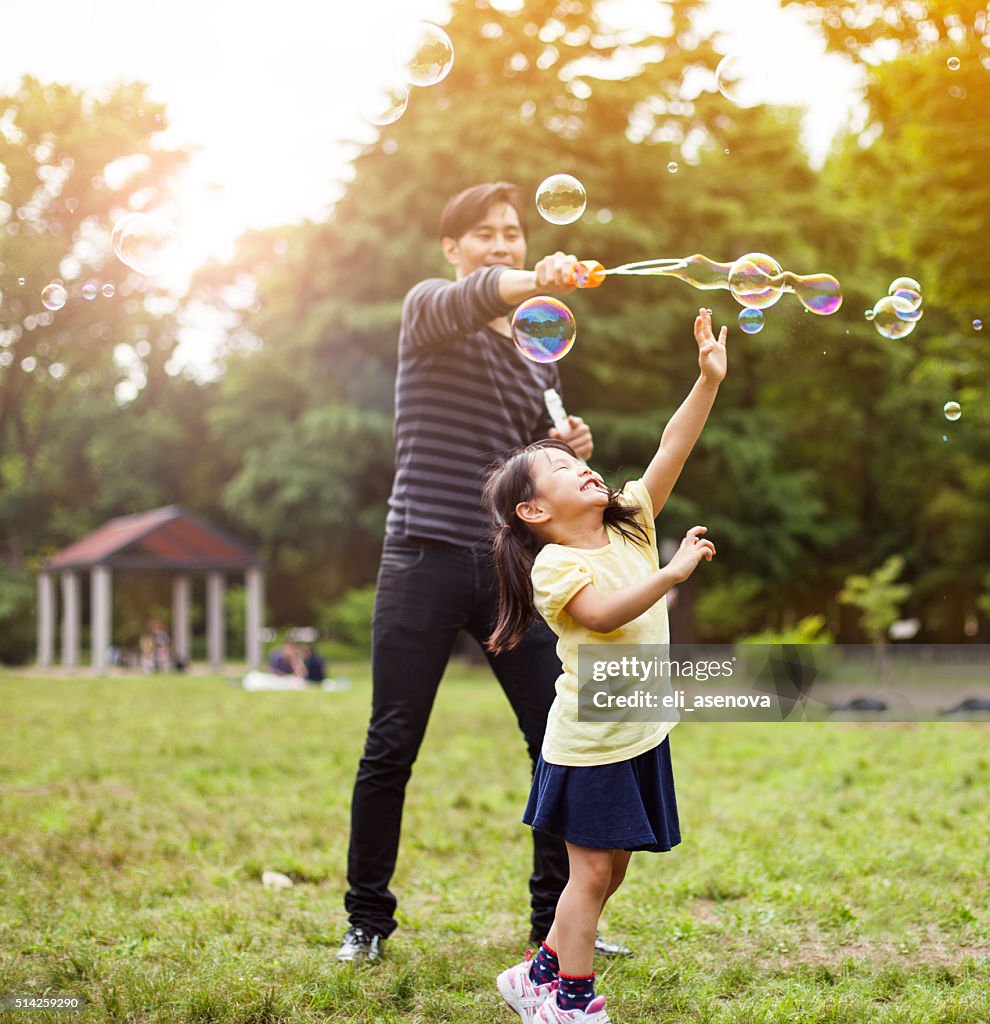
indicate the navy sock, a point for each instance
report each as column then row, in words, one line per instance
column 575, row 993
column 545, row 967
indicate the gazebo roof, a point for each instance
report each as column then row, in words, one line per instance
column 163, row 538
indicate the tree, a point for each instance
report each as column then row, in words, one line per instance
column 71, row 165
column 878, row 597
column 551, row 88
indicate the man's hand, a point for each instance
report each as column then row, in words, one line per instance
column 555, row 274
column 577, row 435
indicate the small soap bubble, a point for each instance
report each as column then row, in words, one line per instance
column 751, row 321
column 672, row 167
column 90, row 290
column 977, row 325
column 869, row 314
column 887, row 322
column 908, row 289
column 54, row 296
column 146, row 242
column 108, row 290
column 543, row 329
column 424, row 54
column 561, row 199
column 953, row 63
column 952, row 411
column 741, row 78
column 20, row 280
column 383, row 100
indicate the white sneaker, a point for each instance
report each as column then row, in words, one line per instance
column 593, row 1013
column 520, row 994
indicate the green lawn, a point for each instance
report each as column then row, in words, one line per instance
column 829, row 872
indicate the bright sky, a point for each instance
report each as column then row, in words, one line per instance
column 264, row 91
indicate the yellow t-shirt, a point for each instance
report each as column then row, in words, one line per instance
column 559, row 572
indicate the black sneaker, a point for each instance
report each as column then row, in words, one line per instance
column 359, row 945
column 604, row 948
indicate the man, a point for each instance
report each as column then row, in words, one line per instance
column 463, row 394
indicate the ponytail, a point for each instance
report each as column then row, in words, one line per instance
column 514, row 548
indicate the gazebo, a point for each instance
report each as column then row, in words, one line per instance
column 169, row 539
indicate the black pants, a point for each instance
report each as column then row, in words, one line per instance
column 427, row 592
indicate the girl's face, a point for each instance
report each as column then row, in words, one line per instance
column 565, row 486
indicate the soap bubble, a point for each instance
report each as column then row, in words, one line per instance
column 561, row 199
column 886, row 320
column 952, row 411
column 953, row 63
column 818, row 293
column 90, row 290
column 54, row 296
column 672, row 167
column 424, row 54
column 908, row 289
column 751, row 321
column 754, row 280
column 977, row 325
column 543, row 329
column 741, row 78
column 108, row 290
column 382, row 100
column 869, row 314
column 146, row 242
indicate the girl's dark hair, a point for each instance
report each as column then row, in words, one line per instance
column 515, row 545
column 465, row 210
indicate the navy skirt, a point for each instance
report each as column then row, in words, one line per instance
column 629, row 805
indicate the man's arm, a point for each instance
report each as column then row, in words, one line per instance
column 553, row 274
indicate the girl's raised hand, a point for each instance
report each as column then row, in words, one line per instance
column 712, row 356
column 692, row 550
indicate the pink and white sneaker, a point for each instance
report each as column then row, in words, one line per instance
column 520, row 994
column 593, row 1013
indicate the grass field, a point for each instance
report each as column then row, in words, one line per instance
column 829, row 872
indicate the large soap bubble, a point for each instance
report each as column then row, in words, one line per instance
column 424, row 54
column 561, row 199
column 146, row 242
column 755, row 280
column 543, row 329
column 382, row 100
column 741, row 78
column 888, row 322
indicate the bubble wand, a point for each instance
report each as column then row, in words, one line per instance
column 755, row 280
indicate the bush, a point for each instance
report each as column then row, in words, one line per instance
column 809, row 630
column 17, row 600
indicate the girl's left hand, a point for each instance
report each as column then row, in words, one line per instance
column 712, row 356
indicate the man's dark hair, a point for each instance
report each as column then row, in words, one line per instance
column 467, row 208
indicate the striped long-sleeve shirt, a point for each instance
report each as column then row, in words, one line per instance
column 463, row 395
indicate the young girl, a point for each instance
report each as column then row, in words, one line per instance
column 585, row 557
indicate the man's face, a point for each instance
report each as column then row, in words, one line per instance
column 496, row 240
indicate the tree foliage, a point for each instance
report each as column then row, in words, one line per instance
column 827, row 452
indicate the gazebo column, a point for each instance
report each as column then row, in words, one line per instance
column 46, row 620
column 70, row 620
column 181, row 593
column 254, row 586
column 101, row 617
column 214, row 619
